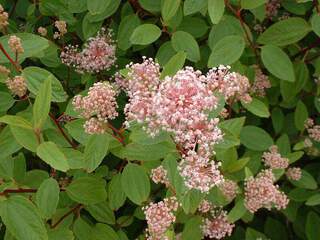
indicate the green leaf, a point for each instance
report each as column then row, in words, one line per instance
column 237, row 165
column 192, row 230
column 306, row 181
column 41, row 107
column 32, row 44
column 315, row 23
column 249, row 4
column 135, row 183
column 277, row 118
column 285, row 32
column 277, row 62
column 257, row 107
column 111, row 9
column 196, row 26
column 227, row 51
column 16, row 121
column 52, row 155
column 35, row 76
column 25, row 137
column 96, row 149
column 47, row 197
column 90, row 28
column 183, row 41
column 312, row 226
column 151, row 5
column 102, row 212
column 193, row 6
column 22, row 219
column 216, row 10
column 87, row 190
column 6, row 102
column 103, row 232
column 237, row 211
column 314, row 200
column 60, row 233
column 275, row 229
column 174, row 64
column 97, row 6
column 191, row 200
column 169, row 9
column 116, row 195
column 145, row 34
column 82, row 230
column 252, row 234
column 300, row 115
column 233, row 125
column 127, row 25
column 255, row 138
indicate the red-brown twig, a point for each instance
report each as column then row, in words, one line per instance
column 316, row 5
column 19, row 190
column 17, row 67
column 73, row 145
column 72, row 210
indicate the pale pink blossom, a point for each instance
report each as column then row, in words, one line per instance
column 159, row 217
column 3, row 18
column 229, row 189
column 260, row 192
column 313, row 130
column 274, row 160
column 17, row 85
column 160, row 175
column 15, row 44
column 62, row 29
column 42, row 31
column 97, row 107
column 233, row 86
column 294, row 173
column 97, row 55
column 205, row 206
column 217, row 227
column 261, row 82
column 272, row 7
column 4, row 71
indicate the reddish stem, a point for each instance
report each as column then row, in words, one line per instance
column 18, row 68
column 19, row 190
column 72, row 210
column 73, row 145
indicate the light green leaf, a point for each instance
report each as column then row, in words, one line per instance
column 87, row 190
column 127, row 25
column 25, row 137
column 47, row 197
column 95, row 150
column 277, row 62
column 237, row 211
column 285, row 32
column 227, row 51
column 35, row 76
column 135, row 183
column 183, row 41
column 313, row 200
column 52, row 155
column 192, row 230
column 103, row 232
column 300, row 115
column 193, row 6
column 6, row 102
column 102, row 212
column 257, row 107
column 22, row 219
column 116, row 195
column 41, row 107
column 315, row 23
column 16, row 121
column 97, row 6
column 111, row 9
column 169, row 9
column 145, row 34
column 255, row 138
column 216, row 10
column 90, row 28
column 174, row 64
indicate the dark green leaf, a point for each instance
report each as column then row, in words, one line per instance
column 183, row 41
column 255, row 138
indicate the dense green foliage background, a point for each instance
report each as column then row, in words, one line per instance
column 78, row 186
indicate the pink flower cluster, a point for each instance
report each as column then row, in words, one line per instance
column 181, row 105
column 97, row 55
column 229, row 189
column 274, row 160
column 260, row 192
column 97, row 107
column 205, row 206
column 159, row 175
column 17, row 85
column 233, row 86
column 272, row 7
column 294, row 173
column 313, row 130
column 217, row 227
column 159, row 217
column 261, row 83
